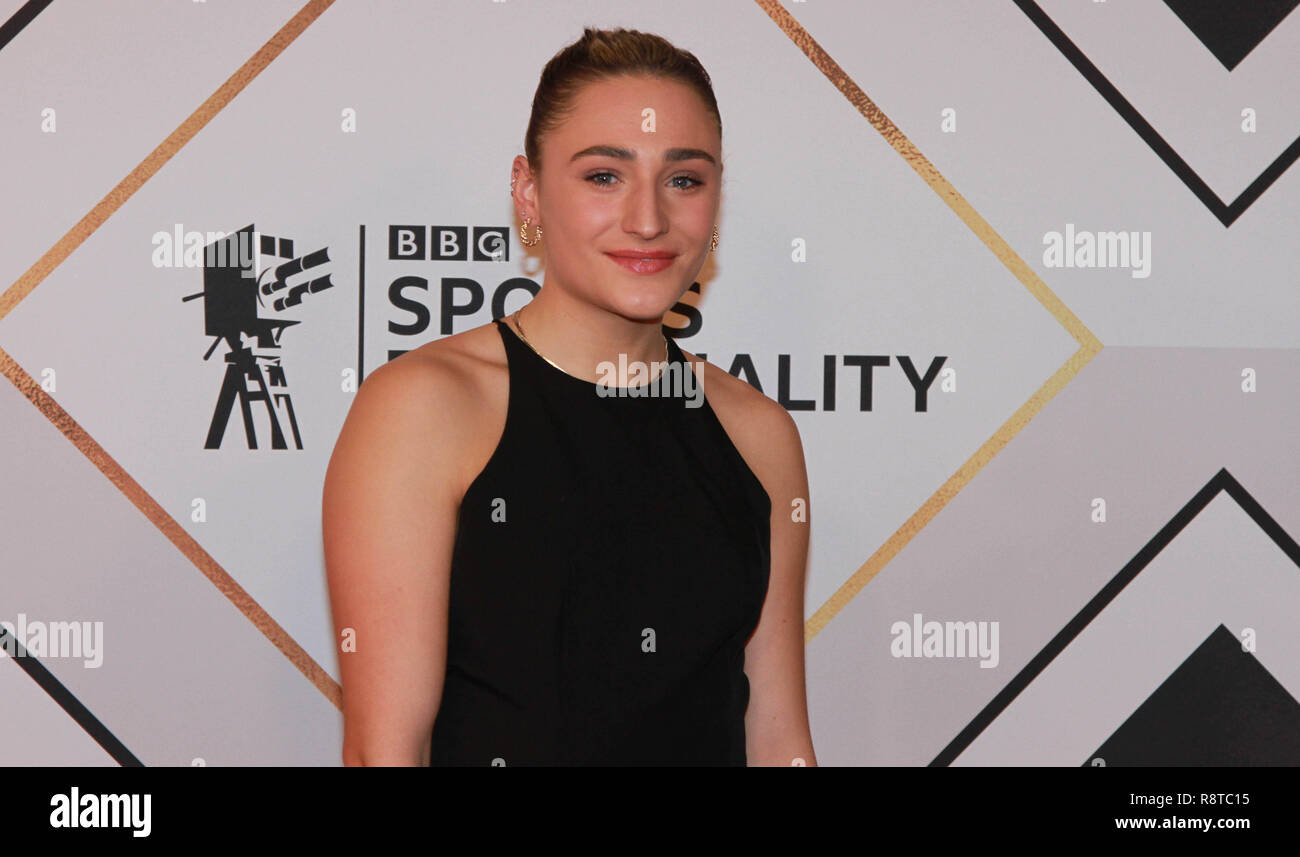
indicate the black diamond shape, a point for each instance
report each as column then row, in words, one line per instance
column 1231, row 30
column 1220, row 707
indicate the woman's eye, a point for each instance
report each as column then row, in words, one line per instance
column 593, row 178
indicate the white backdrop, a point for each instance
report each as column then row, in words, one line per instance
column 894, row 172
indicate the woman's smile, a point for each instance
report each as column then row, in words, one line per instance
column 651, row 263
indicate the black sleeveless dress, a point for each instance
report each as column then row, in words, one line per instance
column 611, row 562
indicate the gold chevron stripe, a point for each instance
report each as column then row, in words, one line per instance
column 79, row 437
column 1089, row 345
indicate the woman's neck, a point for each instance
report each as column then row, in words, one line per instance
column 579, row 337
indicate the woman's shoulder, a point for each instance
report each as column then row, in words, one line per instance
column 467, row 359
column 736, row 399
column 458, row 369
column 761, row 429
column 442, row 398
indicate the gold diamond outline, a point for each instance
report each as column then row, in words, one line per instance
column 1089, row 345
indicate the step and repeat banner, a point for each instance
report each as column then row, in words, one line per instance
column 1024, row 273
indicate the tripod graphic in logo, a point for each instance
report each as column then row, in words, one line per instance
column 233, row 291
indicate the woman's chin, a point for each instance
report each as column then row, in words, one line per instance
column 643, row 310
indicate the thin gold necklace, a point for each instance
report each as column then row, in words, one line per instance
column 524, row 337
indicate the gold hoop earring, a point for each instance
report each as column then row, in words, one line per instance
column 713, row 245
column 523, row 227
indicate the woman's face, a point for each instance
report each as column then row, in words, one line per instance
column 636, row 166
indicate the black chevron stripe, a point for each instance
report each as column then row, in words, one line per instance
column 20, row 19
column 1227, row 213
column 60, row 694
column 1222, row 481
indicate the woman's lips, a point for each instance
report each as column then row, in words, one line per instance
column 642, row 266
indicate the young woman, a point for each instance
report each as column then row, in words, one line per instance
column 534, row 571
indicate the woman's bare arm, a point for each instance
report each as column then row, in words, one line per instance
column 389, row 517
column 776, row 723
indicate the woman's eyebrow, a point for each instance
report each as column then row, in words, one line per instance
column 629, row 155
